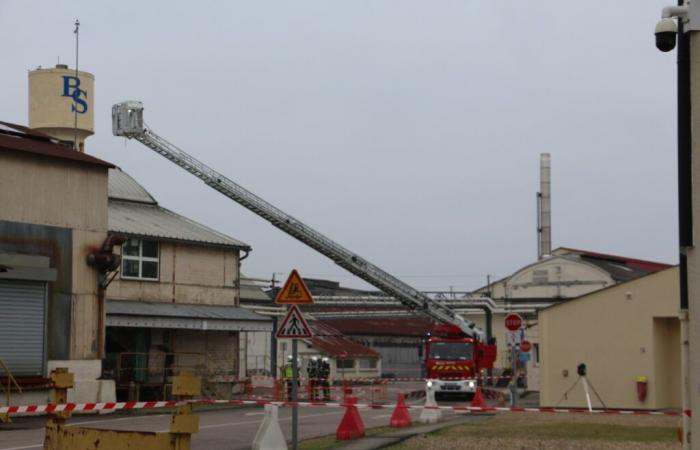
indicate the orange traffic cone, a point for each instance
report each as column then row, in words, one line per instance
column 400, row 418
column 478, row 400
column 351, row 425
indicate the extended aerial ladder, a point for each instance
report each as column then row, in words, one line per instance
column 127, row 121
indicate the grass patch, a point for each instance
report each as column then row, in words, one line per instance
column 606, row 432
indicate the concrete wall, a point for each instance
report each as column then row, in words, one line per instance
column 620, row 333
column 188, row 274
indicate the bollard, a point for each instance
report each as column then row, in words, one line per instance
column 401, row 417
column 351, row 425
column 269, row 435
column 430, row 413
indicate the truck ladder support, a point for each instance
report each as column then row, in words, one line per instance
column 127, row 121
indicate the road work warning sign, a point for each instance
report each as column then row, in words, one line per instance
column 294, row 291
column 294, row 326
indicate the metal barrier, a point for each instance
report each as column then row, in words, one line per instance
column 5, row 418
column 60, row 436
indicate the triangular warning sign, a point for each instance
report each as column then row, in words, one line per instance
column 294, row 291
column 293, row 326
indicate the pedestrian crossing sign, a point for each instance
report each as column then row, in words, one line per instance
column 294, row 326
column 294, row 291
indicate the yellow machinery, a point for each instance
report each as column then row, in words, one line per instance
column 183, row 423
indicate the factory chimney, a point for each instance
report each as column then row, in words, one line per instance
column 544, row 209
column 61, row 104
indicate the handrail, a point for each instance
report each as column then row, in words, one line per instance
column 10, row 378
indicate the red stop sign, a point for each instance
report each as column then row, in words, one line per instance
column 514, row 322
column 525, row 346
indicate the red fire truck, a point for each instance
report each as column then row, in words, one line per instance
column 454, row 361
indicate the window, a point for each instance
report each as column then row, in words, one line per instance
column 451, row 351
column 368, row 363
column 345, row 364
column 140, row 259
column 535, row 354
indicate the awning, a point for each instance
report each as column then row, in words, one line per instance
column 137, row 314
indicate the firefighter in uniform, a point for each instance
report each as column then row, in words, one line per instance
column 324, row 372
column 313, row 376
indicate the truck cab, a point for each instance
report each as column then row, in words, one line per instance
column 454, row 361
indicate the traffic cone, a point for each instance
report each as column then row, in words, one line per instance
column 351, row 425
column 478, row 399
column 401, row 417
column 269, row 435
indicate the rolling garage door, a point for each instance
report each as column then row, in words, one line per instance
column 23, row 326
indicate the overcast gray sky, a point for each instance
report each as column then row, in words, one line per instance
column 409, row 131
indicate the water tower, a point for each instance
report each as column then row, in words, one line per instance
column 61, row 104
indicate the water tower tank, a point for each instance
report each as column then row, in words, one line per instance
column 56, row 97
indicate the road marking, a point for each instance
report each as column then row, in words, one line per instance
column 250, row 422
column 21, row 448
column 255, row 414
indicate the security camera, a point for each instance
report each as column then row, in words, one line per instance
column 665, row 32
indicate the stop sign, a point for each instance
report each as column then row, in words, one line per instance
column 525, row 346
column 514, row 322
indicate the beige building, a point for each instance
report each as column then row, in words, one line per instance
column 626, row 331
column 175, row 302
column 53, row 214
column 566, row 273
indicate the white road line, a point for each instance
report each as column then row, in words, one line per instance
column 250, row 422
column 21, row 448
column 254, row 414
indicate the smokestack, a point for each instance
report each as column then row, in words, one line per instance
column 544, row 209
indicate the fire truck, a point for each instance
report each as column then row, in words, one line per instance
column 457, row 349
column 455, row 362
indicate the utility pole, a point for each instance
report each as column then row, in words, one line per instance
column 688, row 58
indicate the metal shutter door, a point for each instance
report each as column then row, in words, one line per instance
column 22, row 326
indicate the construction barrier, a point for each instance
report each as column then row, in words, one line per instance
column 78, row 407
column 60, row 436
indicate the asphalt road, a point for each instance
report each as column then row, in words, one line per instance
column 219, row 429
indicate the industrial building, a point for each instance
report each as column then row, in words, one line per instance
column 90, row 261
column 627, row 335
column 49, row 303
column 175, row 303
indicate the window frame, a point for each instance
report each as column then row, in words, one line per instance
column 140, row 259
column 344, row 361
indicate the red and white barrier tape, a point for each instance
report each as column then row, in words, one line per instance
column 75, row 407
column 78, row 407
column 449, row 408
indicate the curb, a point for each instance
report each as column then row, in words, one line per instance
column 396, row 437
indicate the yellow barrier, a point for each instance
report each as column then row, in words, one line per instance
column 183, row 423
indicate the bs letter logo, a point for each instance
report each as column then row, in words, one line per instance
column 71, row 88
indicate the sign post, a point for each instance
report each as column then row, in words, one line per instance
column 514, row 323
column 294, row 327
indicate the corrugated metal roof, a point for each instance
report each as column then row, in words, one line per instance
column 123, row 187
column 385, row 326
column 139, row 308
column 18, row 138
column 151, row 220
column 252, row 290
column 332, row 342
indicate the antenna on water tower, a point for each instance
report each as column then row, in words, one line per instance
column 75, row 113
